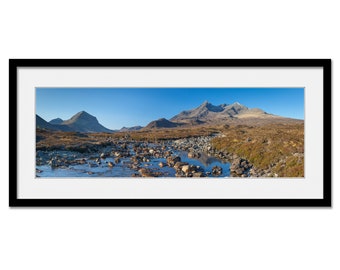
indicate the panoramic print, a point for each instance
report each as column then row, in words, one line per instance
column 170, row 132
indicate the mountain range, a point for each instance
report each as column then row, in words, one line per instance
column 206, row 113
column 80, row 122
column 134, row 128
column 41, row 123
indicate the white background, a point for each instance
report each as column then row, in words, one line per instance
column 309, row 187
column 168, row 238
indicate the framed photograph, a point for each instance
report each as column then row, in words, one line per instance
column 170, row 132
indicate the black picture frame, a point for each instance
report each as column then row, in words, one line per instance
column 14, row 64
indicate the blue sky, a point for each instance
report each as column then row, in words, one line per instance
column 118, row 107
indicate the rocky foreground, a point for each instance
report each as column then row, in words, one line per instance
column 133, row 155
column 136, row 155
column 251, row 151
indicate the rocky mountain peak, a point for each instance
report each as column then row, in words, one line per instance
column 85, row 122
column 56, row 121
column 161, row 123
column 208, row 112
column 84, row 115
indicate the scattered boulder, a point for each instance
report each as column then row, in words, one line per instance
column 240, row 167
column 191, row 155
column 167, row 154
column 147, row 173
column 161, row 164
column 185, row 169
column 172, row 160
column 53, row 163
column 117, row 154
column 179, row 164
column 216, row 171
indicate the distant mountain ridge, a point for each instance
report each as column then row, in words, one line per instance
column 134, row 128
column 56, row 121
column 41, row 123
column 208, row 113
column 162, row 123
column 80, row 122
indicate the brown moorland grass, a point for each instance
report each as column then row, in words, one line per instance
column 66, row 140
column 277, row 147
column 57, row 139
column 168, row 133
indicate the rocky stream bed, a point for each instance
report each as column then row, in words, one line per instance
column 191, row 157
